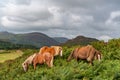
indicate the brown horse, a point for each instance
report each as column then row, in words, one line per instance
column 87, row 52
column 55, row 50
column 46, row 57
column 28, row 61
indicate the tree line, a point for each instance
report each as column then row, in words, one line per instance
column 8, row 45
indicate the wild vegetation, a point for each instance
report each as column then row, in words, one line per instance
column 9, row 55
column 8, row 45
column 107, row 69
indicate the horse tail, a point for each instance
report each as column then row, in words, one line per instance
column 70, row 56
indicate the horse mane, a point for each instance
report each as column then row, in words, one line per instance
column 58, row 50
column 50, row 50
column 42, row 50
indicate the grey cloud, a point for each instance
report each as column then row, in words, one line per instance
column 66, row 18
column 100, row 9
column 117, row 19
column 21, row 2
column 31, row 17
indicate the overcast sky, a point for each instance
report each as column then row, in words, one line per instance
column 62, row 18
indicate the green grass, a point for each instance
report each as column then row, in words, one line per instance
column 9, row 55
column 107, row 69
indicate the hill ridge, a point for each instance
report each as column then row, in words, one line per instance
column 80, row 40
column 34, row 38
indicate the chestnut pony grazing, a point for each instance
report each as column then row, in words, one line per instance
column 55, row 50
column 28, row 61
column 87, row 52
column 46, row 57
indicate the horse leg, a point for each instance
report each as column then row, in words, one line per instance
column 51, row 62
column 90, row 60
column 70, row 56
column 34, row 65
column 91, row 63
column 48, row 63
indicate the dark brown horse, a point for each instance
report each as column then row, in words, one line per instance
column 87, row 52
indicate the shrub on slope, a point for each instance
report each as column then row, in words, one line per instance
column 107, row 69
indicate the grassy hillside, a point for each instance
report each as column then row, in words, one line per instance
column 9, row 55
column 107, row 69
column 37, row 39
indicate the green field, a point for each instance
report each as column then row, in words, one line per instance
column 107, row 69
column 9, row 55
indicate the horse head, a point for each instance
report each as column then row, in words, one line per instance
column 25, row 66
column 60, row 51
column 98, row 55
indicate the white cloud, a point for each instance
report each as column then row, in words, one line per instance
column 113, row 15
column 105, row 38
column 113, row 21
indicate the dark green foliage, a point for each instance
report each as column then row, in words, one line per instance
column 8, row 45
column 111, row 49
column 107, row 69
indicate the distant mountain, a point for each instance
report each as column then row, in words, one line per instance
column 6, row 35
column 35, row 39
column 60, row 39
column 79, row 40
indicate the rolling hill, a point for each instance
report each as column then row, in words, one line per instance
column 35, row 39
column 60, row 39
column 80, row 40
column 39, row 39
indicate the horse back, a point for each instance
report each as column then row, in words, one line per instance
column 43, row 49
